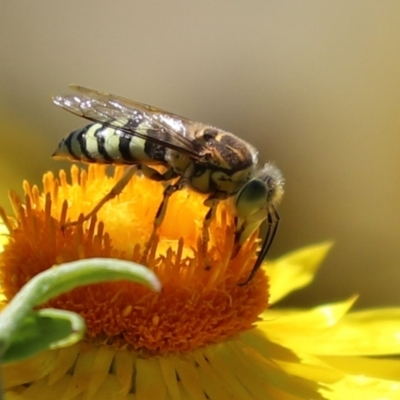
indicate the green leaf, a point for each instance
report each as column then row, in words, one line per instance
column 24, row 332
column 42, row 330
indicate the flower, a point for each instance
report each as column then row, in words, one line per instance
column 202, row 337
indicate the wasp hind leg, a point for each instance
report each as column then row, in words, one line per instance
column 115, row 191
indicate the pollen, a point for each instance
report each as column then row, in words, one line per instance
column 200, row 303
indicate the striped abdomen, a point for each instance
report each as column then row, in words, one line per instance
column 97, row 143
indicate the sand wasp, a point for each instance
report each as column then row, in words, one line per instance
column 202, row 157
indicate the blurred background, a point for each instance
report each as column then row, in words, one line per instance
column 314, row 85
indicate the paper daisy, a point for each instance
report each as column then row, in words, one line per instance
column 202, row 337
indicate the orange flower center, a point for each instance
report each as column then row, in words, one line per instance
column 200, row 303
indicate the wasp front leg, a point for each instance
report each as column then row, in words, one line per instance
column 115, row 191
column 251, row 209
column 273, row 220
column 245, row 227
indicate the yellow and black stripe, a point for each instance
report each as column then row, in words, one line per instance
column 97, row 143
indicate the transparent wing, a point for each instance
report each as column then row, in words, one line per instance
column 134, row 118
column 123, row 101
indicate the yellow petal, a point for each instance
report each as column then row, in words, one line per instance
column 216, row 385
column 31, row 370
column 373, row 367
column 282, row 323
column 295, row 270
column 65, row 361
column 372, row 332
column 362, row 388
column 293, row 363
column 148, row 372
column 226, row 374
column 101, row 365
column 328, row 330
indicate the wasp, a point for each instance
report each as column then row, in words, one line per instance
column 201, row 157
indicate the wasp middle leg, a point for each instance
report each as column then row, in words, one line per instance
column 168, row 191
column 212, row 202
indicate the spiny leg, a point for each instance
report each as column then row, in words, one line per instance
column 273, row 223
column 251, row 210
column 246, row 226
column 237, row 240
column 168, row 191
column 115, row 191
column 212, row 203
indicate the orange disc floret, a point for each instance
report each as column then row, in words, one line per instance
column 200, row 303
